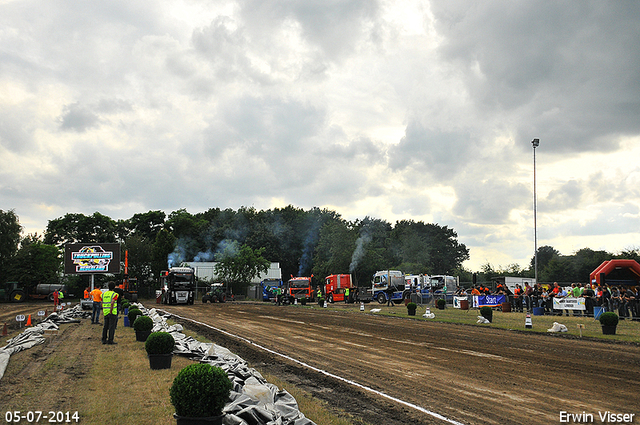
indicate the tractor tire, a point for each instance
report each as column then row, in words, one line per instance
column 18, row 296
column 381, row 298
column 204, row 300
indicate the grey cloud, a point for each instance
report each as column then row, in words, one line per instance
column 442, row 154
column 489, row 201
column 568, row 196
column 333, row 26
column 78, row 118
column 568, row 72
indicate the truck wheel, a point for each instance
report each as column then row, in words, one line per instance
column 204, row 300
column 18, row 296
column 381, row 298
column 331, row 298
column 50, row 297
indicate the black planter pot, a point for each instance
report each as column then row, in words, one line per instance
column 209, row 420
column 411, row 312
column 608, row 330
column 142, row 335
column 160, row 361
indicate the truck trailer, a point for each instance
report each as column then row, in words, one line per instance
column 16, row 292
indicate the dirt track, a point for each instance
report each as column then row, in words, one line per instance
column 472, row 375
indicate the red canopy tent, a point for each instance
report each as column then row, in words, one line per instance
column 629, row 268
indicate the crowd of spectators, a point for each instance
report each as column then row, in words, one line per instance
column 624, row 300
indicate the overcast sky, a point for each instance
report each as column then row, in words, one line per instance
column 421, row 110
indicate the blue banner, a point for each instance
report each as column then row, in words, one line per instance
column 488, row 300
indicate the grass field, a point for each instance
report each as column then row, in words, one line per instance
column 627, row 331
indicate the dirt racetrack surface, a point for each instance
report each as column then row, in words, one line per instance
column 466, row 374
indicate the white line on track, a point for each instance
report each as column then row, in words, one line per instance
column 324, row 372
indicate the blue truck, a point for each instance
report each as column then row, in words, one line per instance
column 268, row 285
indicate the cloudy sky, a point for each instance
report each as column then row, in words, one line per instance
column 421, row 110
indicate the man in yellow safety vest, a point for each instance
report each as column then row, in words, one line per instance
column 110, row 313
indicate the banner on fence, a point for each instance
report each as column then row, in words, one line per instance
column 488, row 300
column 569, row 303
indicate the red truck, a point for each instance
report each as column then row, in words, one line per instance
column 298, row 288
column 335, row 286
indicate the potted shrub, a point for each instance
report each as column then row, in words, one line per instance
column 142, row 326
column 132, row 314
column 199, row 393
column 411, row 309
column 487, row 313
column 609, row 322
column 441, row 304
column 321, row 301
column 303, row 301
column 159, row 347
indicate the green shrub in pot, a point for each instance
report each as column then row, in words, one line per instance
column 159, row 343
column 143, row 324
column 200, row 390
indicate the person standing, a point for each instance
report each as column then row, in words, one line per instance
column 96, row 296
column 346, row 295
column 110, row 313
column 56, row 300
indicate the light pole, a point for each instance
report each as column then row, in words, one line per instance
column 535, row 143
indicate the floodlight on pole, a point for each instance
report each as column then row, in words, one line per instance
column 535, row 143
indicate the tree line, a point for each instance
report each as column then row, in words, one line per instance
column 314, row 242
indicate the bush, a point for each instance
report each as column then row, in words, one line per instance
column 125, row 304
column 159, row 342
column 412, row 306
column 200, row 390
column 441, row 303
column 487, row 313
column 609, row 319
column 143, row 324
column 133, row 313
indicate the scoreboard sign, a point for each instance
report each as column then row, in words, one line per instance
column 90, row 258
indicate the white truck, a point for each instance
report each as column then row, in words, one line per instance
column 387, row 283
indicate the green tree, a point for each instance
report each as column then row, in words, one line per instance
column 238, row 266
column 163, row 246
column 79, row 228
column 335, row 249
column 146, row 225
column 140, row 255
column 545, row 254
column 36, row 263
column 10, row 231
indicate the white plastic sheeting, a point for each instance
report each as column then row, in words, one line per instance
column 254, row 401
column 33, row 336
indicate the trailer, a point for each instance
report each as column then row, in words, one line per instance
column 178, row 285
column 16, row 292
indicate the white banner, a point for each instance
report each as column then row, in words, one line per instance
column 569, row 303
